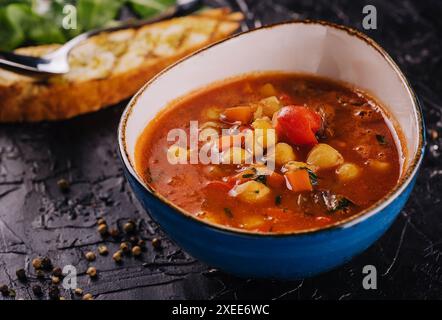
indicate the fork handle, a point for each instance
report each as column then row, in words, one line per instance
column 19, row 63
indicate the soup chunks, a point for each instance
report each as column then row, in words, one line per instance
column 332, row 150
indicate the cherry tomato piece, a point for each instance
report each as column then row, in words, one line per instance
column 298, row 125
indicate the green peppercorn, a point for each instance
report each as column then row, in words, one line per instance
column 92, row 272
column 129, row 226
column 36, row 263
column 124, row 247
column 88, row 296
column 434, row 134
column 136, row 251
column 156, row 243
column 102, row 229
column 63, row 185
column 78, row 291
column 55, row 280
column 141, row 243
column 117, row 256
column 114, row 233
column 90, row 256
column 102, row 250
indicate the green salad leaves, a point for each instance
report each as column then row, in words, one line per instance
column 33, row 22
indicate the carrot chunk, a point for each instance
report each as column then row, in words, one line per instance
column 298, row 181
column 275, row 180
column 243, row 114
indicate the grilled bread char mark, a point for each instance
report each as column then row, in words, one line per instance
column 109, row 68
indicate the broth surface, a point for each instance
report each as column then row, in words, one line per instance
column 356, row 164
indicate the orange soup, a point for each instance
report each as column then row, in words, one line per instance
column 326, row 152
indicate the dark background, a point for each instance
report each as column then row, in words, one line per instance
column 37, row 219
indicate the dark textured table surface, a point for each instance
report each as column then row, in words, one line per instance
column 37, row 219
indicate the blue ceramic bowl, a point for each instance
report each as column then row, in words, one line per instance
column 312, row 47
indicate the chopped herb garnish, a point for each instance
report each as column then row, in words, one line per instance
column 278, row 200
column 381, row 139
column 343, row 203
column 261, row 178
column 228, row 212
column 248, row 175
column 334, row 202
column 256, row 191
column 313, row 177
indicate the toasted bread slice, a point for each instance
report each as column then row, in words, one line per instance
column 108, row 68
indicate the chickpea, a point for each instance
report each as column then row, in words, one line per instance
column 208, row 134
column 90, row 256
column 270, row 105
column 176, row 154
column 378, row 165
column 252, row 221
column 228, row 141
column 348, row 171
column 267, row 90
column 324, row 156
column 262, row 123
column 262, row 136
column 251, row 192
column 213, row 113
column 210, row 124
column 235, row 155
column 259, row 113
column 213, row 171
column 284, row 153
